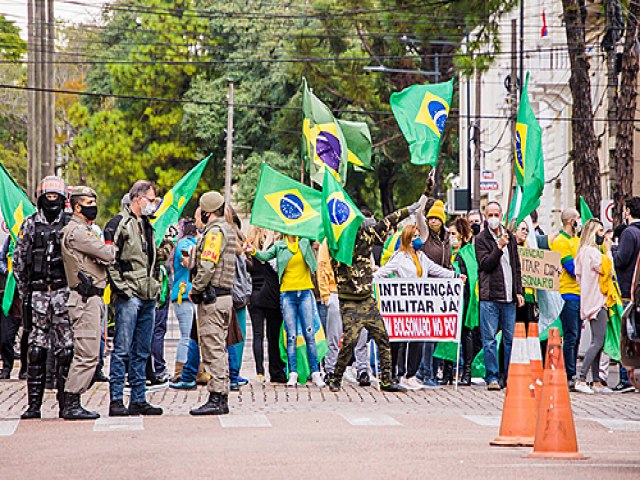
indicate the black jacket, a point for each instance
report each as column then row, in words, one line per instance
column 490, row 277
column 625, row 256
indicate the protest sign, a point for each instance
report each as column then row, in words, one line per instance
column 421, row 309
column 540, row 268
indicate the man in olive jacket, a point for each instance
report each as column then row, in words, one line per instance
column 500, row 283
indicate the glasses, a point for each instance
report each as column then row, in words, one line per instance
column 150, row 200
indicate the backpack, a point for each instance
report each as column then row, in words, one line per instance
column 242, row 286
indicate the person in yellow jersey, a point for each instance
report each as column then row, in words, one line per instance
column 296, row 263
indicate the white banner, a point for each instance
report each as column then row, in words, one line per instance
column 421, row 309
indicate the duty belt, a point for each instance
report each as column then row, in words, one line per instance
column 87, row 292
column 222, row 292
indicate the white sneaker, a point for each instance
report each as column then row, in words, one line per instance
column 262, row 379
column 582, row 387
column 316, row 378
column 601, row 389
column 411, row 383
column 293, row 379
column 348, row 376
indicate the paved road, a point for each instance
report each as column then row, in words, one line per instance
column 308, row 432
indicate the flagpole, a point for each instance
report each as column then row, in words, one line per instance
column 229, row 160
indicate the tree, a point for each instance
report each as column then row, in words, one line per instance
column 584, row 155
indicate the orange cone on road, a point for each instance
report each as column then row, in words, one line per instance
column 518, row 424
column 555, row 429
column 535, row 359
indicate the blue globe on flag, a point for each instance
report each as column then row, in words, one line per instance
column 291, row 206
column 438, row 112
column 328, row 149
column 519, row 156
column 339, row 211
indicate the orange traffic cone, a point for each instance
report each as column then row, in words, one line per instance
column 519, row 409
column 535, row 359
column 555, row 430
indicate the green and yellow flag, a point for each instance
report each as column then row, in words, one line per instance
column 323, row 142
column 176, row 199
column 359, row 143
column 15, row 207
column 421, row 112
column 341, row 219
column 529, row 162
column 287, row 206
column 585, row 211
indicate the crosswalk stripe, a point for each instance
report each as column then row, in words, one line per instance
column 617, row 424
column 244, row 421
column 485, row 421
column 374, row 420
column 8, row 427
column 118, row 424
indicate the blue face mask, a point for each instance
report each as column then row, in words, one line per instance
column 417, row 243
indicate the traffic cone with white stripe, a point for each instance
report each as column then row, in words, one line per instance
column 555, row 429
column 518, row 424
column 535, row 358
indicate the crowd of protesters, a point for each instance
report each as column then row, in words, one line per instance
column 216, row 280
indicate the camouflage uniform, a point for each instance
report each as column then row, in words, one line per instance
column 358, row 308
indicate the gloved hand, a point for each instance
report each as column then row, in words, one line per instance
column 417, row 206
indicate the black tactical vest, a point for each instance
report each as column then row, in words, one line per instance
column 47, row 267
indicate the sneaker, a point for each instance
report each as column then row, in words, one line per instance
column 156, row 387
column 316, row 379
column 348, row 376
column 143, row 408
column 493, row 386
column 159, row 380
column 293, row 379
column 572, row 385
column 601, row 388
column 364, row 380
column 411, row 383
column 262, row 378
column 242, row 381
column 431, row 384
column 334, row 384
column 181, row 385
column 392, row 387
column 234, row 386
column 582, row 387
column 624, row 388
column 117, row 409
column 22, row 375
column 5, row 374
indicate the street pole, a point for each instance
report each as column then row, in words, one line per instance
column 475, row 205
column 469, row 197
column 514, row 107
column 612, row 110
column 521, row 45
column 229, row 159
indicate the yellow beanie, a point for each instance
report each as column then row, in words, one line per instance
column 437, row 211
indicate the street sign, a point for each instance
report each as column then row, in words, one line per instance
column 489, row 186
column 606, row 213
column 488, row 175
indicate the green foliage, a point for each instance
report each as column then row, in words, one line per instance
column 12, row 47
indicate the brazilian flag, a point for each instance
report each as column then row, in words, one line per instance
column 359, row 145
column 421, row 112
column 323, row 142
column 15, row 207
column 585, row 211
column 287, row 206
column 176, row 199
column 341, row 219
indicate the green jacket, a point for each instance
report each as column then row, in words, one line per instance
column 280, row 251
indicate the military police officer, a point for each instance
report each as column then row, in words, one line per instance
column 211, row 291
column 40, row 276
column 85, row 258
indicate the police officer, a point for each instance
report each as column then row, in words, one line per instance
column 39, row 272
column 85, row 258
column 211, row 291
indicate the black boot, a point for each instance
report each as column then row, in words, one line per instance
column 466, row 375
column 213, row 406
column 35, row 391
column 73, row 409
column 224, row 403
column 63, row 362
column 447, row 373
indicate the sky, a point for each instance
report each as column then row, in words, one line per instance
column 66, row 10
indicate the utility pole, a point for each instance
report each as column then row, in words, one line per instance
column 41, row 107
column 513, row 93
column 475, row 203
column 612, row 87
column 229, row 159
column 469, row 182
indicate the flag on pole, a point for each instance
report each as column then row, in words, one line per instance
column 15, row 207
column 544, row 31
column 585, row 211
column 323, row 142
column 341, row 219
column 287, row 206
column 176, row 199
column 359, row 143
column 421, row 112
column 529, row 162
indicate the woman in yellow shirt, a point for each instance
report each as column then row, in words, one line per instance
column 296, row 263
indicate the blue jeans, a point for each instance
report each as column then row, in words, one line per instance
column 236, row 351
column 184, row 312
column 157, row 341
column 190, row 368
column 572, row 328
column 298, row 307
column 496, row 316
column 131, row 346
column 427, row 372
column 323, row 311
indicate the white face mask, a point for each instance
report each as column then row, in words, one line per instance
column 455, row 242
column 493, row 222
column 148, row 209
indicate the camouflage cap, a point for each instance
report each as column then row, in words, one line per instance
column 82, row 191
column 211, row 201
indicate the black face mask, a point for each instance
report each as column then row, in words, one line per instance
column 90, row 212
column 52, row 208
column 204, row 216
column 475, row 228
column 599, row 240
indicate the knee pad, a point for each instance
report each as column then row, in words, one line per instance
column 37, row 355
column 65, row 356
